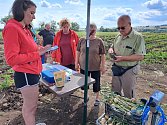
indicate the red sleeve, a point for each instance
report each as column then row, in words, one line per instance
column 55, row 42
column 12, row 48
column 76, row 38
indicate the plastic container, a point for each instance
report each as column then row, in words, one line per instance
column 99, row 119
column 49, row 70
column 131, row 118
column 48, row 75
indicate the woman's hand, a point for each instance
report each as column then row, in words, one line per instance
column 44, row 49
column 77, row 67
column 102, row 69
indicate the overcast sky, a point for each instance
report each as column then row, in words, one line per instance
column 103, row 12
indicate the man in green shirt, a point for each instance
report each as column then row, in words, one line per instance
column 127, row 51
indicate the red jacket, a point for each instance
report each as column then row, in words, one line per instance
column 21, row 52
column 56, row 55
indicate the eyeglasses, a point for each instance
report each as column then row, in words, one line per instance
column 122, row 28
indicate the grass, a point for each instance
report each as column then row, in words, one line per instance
column 0, row 35
column 156, row 45
column 6, row 79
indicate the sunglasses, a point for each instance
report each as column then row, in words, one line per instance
column 122, row 28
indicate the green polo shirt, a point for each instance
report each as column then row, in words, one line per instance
column 133, row 44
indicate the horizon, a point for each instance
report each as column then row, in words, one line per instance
column 103, row 13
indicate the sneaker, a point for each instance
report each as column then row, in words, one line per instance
column 97, row 102
column 41, row 124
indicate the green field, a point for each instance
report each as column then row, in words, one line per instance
column 156, row 45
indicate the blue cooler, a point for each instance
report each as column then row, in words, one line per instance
column 48, row 75
column 49, row 69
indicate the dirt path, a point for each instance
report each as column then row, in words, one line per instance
column 65, row 111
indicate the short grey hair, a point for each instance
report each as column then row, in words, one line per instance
column 47, row 24
column 125, row 18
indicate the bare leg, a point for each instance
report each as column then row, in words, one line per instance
column 30, row 99
column 97, row 95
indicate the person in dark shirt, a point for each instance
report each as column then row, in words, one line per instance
column 47, row 36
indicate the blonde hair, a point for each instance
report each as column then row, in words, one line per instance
column 63, row 22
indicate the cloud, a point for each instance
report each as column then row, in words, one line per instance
column 153, row 15
column 46, row 4
column 115, row 13
column 156, row 4
column 110, row 17
column 76, row 2
column 78, row 18
column 56, row 5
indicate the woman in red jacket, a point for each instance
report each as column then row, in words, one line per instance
column 67, row 41
column 23, row 55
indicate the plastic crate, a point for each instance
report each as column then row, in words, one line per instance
column 130, row 119
column 98, row 120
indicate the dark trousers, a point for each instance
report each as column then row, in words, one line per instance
column 71, row 66
column 95, row 75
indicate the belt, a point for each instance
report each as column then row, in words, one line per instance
column 127, row 67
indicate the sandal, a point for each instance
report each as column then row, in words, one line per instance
column 97, row 102
column 40, row 124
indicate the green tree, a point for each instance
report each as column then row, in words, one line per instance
column 102, row 29
column 41, row 26
column 53, row 25
column 75, row 26
column 5, row 19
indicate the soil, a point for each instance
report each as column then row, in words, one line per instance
column 69, row 110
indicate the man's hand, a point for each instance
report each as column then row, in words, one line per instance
column 129, row 58
column 119, row 58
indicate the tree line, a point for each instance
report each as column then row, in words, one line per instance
column 54, row 25
column 76, row 27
